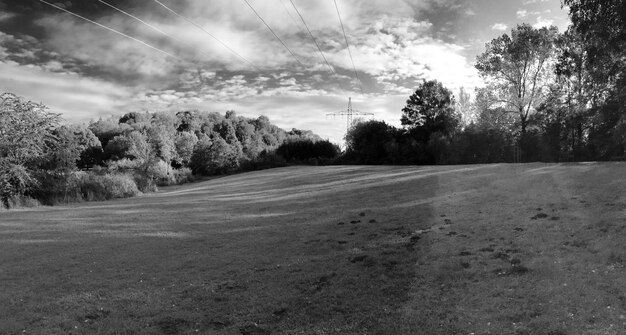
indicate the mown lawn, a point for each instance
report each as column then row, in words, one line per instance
column 483, row 249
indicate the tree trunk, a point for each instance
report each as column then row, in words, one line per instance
column 522, row 137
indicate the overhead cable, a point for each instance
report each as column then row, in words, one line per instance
column 112, row 30
column 272, row 31
column 153, row 27
column 207, row 32
column 313, row 38
column 348, row 46
column 288, row 13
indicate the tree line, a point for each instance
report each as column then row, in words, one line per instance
column 42, row 159
column 548, row 96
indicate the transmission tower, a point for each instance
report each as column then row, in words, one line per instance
column 349, row 113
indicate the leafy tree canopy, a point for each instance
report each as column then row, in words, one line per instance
column 516, row 68
column 430, row 109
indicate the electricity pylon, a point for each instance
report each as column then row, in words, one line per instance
column 349, row 113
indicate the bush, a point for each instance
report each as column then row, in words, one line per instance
column 144, row 183
column 308, row 151
column 20, row 202
column 183, row 175
column 265, row 160
column 90, row 186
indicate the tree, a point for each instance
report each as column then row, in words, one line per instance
column 212, row 157
column 72, row 142
column 601, row 26
column 430, row 109
column 370, row 142
column 26, row 136
column 577, row 89
column 516, row 69
column 465, row 107
column 185, row 142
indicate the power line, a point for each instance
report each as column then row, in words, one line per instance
column 154, row 28
column 287, row 11
column 313, row 38
column 140, row 20
column 208, row 33
column 112, row 30
column 272, row 31
column 348, row 45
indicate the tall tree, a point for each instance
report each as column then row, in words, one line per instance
column 602, row 27
column 430, row 109
column 465, row 107
column 516, row 69
column 580, row 92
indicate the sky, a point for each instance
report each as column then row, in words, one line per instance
column 219, row 55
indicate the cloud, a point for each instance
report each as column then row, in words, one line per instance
column 5, row 16
column 499, row 27
column 542, row 22
column 528, row 2
column 77, row 98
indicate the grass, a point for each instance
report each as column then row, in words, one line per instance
column 483, row 249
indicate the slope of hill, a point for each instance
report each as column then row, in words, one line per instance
column 500, row 249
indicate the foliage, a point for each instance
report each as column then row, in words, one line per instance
column 211, row 157
column 91, row 186
column 465, row 107
column 370, row 142
column 517, row 69
column 430, row 109
column 308, row 151
column 602, row 27
column 26, row 137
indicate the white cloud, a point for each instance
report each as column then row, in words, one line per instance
column 499, row 27
column 543, row 22
column 528, row 2
column 76, row 98
column 522, row 13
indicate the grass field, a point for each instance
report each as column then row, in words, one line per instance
column 477, row 249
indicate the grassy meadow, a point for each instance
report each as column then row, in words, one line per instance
column 472, row 249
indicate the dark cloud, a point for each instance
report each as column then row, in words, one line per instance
column 444, row 15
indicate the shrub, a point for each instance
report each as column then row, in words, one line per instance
column 144, row 183
column 308, row 151
column 183, row 175
column 20, row 202
column 90, row 186
column 264, row 161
